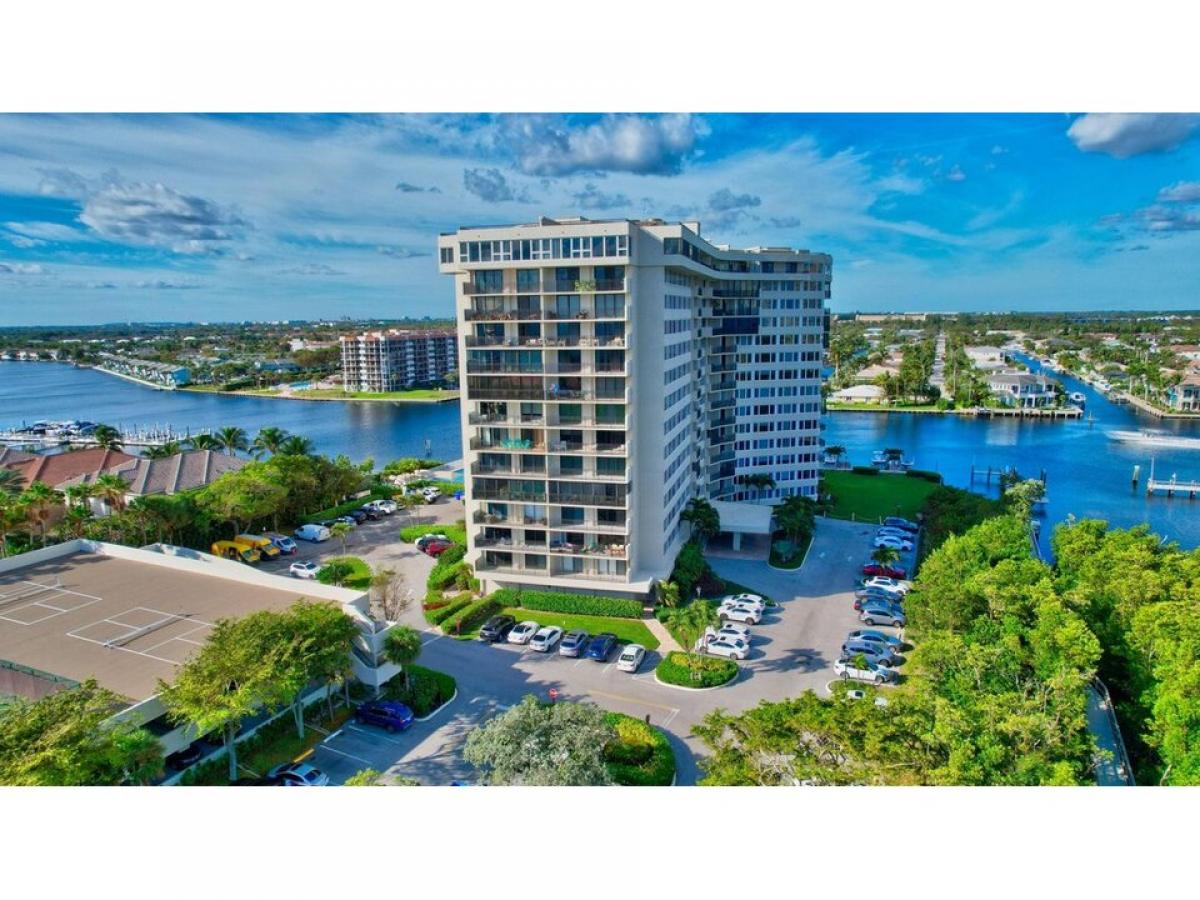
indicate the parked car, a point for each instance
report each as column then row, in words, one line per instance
column 849, row 670
column 313, row 532
column 282, row 542
column 631, row 658
column 573, row 643
column 545, row 638
column 745, row 600
column 731, row 629
column 894, row 532
column 729, row 647
column 188, row 756
column 890, row 584
column 304, row 568
column 520, row 634
column 329, row 523
column 870, row 569
column 426, row 538
column 297, row 775
column 496, row 629
column 867, row 634
column 875, row 612
column 369, row 512
column 437, row 548
column 389, row 714
column 879, row 654
column 892, row 542
column 737, row 612
column 354, row 518
column 897, row 522
column 600, row 646
column 431, row 495
column 387, row 507
column 863, row 597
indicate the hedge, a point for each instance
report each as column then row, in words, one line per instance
column 471, row 615
column 424, row 691
column 572, row 604
column 456, row 533
column 641, row 755
column 443, row 577
column 343, row 508
column 440, row 614
column 714, row 671
column 864, row 470
column 935, row 477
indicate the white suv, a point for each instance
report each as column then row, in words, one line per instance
column 734, row 611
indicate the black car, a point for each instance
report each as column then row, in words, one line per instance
column 496, row 629
column 188, row 756
column 369, row 512
column 357, row 515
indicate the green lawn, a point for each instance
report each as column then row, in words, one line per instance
column 835, row 406
column 628, row 631
column 871, row 497
column 422, row 394
column 360, row 572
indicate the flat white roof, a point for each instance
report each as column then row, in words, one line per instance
column 744, row 518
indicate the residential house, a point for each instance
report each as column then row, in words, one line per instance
column 182, row 472
column 1022, row 389
column 1185, row 396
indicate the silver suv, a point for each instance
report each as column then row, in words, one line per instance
column 879, row 654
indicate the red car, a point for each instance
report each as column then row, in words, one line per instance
column 436, row 548
column 888, row 571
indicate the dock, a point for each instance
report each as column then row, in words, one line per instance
column 1172, row 486
column 1016, row 412
column 137, row 436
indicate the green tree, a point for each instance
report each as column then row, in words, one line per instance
column 669, row 594
column 885, row 556
column 341, row 531
column 203, row 441
column 165, row 450
column 402, row 647
column 111, row 489
column 1023, row 496
column 68, row 738
column 797, row 516
column 329, row 638
column 690, row 622
column 704, row 519
column 557, row 744
column 107, row 437
column 231, row 439
column 295, row 445
column 243, row 497
column 12, row 516
column 268, row 441
column 39, row 501
column 11, row 482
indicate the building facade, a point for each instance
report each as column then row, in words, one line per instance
column 1023, row 390
column 613, row 370
column 397, row 360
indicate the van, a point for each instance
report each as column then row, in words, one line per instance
column 236, row 551
column 313, row 532
column 263, row 545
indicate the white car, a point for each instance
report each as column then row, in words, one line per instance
column 523, row 632
column 431, row 495
column 387, row 507
column 304, row 569
column 894, row 532
column 730, row 629
column 893, row 543
column 736, row 612
column 894, row 585
column 729, row 647
column 877, row 674
column 745, row 600
column 631, row 658
column 313, row 532
column 545, row 638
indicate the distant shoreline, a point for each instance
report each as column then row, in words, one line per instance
column 445, row 397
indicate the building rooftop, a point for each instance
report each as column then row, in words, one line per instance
column 181, row 472
column 128, row 617
column 58, row 468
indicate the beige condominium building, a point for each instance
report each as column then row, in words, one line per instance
column 395, row 360
column 613, row 370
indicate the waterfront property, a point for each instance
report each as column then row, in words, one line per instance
column 1023, row 390
column 155, row 374
column 184, row 471
column 382, row 361
column 1185, row 396
column 129, row 617
column 859, row 393
column 614, row 370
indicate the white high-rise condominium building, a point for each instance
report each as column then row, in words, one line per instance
column 613, row 370
column 393, row 360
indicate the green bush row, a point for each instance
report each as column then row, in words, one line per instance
column 641, row 756
column 690, row 569
column 471, row 615
column 864, row 470
column 456, row 533
column 674, row 669
column 572, row 604
column 423, row 691
column 445, row 577
column 342, row 508
column 440, row 614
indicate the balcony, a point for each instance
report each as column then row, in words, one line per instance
column 571, row 494
column 513, row 518
column 477, row 367
column 509, row 544
column 502, row 315
column 472, row 289
column 507, row 493
column 592, row 548
column 510, row 444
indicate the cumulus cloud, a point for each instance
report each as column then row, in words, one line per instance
column 725, row 199
column 956, row 174
column 490, row 186
column 1162, row 219
column 47, row 231
column 160, row 284
column 1181, row 192
column 592, row 197
column 16, row 268
column 549, row 145
column 318, row 269
column 401, row 252
column 405, row 187
column 62, row 183
column 156, row 215
column 1128, row 134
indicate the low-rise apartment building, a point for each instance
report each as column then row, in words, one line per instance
column 393, row 360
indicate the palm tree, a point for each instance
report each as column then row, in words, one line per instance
column 690, row 622
column 79, row 494
column 268, row 440
column 111, row 489
column 704, row 519
column 341, row 531
column 295, row 445
column 204, row 441
column 107, row 437
column 39, row 501
column 11, row 482
column 12, row 514
column 758, row 482
column 231, row 439
column 164, row 450
column 797, row 516
column 835, row 452
column 402, row 646
column 885, row 556
column 74, row 523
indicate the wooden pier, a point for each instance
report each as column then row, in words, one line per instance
column 1172, row 487
column 140, row 437
column 1017, row 412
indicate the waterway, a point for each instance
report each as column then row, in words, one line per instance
column 1087, row 474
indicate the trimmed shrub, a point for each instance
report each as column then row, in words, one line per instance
column 440, row 614
column 425, row 690
column 451, row 555
column 341, row 509
column 456, row 533
column 640, row 756
column 471, row 615
column 443, row 577
column 864, row 470
column 935, row 477
column 714, row 671
column 571, row 604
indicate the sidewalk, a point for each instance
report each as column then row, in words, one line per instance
column 666, row 643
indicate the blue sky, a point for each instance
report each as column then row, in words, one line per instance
column 116, row 218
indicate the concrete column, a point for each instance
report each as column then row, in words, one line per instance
column 737, row 540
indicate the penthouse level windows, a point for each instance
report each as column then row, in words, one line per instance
column 684, row 247
column 594, row 247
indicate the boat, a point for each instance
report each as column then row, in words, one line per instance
column 1156, row 439
column 1077, row 398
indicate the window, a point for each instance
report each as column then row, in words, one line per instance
column 528, row 281
column 447, row 254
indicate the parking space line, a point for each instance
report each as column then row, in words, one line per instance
column 635, row 700
column 325, row 746
column 374, row 735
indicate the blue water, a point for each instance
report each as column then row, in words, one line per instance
column 384, row 431
column 1086, row 473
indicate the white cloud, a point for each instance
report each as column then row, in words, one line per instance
column 548, row 145
column 956, row 174
column 318, row 269
column 1128, row 134
column 16, row 268
column 1181, row 192
column 156, row 215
